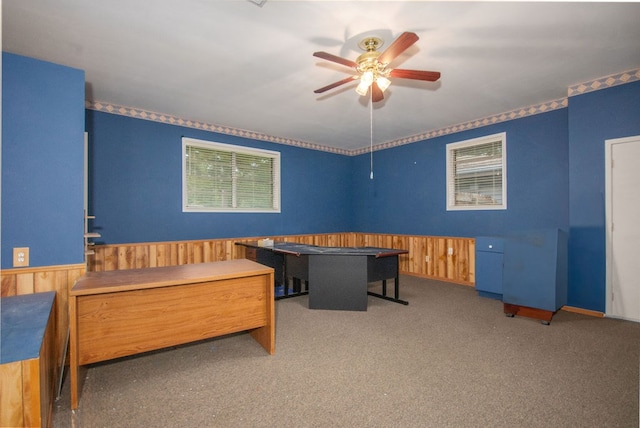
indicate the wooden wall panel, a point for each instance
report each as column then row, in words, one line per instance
column 24, row 283
column 449, row 258
column 9, row 285
column 455, row 265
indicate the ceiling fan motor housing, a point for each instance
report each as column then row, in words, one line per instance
column 368, row 61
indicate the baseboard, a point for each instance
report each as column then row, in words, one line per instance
column 437, row 278
column 583, row 311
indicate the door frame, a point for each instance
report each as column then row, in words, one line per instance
column 608, row 159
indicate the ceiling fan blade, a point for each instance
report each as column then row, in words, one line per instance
column 335, row 84
column 376, row 93
column 429, row 76
column 334, row 58
column 399, row 45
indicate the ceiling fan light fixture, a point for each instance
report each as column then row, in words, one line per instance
column 362, row 88
column 367, row 77
column 383, row 83
column 366, row 80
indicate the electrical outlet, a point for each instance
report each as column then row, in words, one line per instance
column 426, row 259
column 21, row 257
column 450, row 251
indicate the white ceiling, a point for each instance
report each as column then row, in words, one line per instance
column 250, row 67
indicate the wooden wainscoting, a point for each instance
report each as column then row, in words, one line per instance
column 60, row 279
column 158, row 254
column 457, row 267
column 450, row 259
column 443, row 258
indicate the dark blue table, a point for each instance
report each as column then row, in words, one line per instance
column 335, row 277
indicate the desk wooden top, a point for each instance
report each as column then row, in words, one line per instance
column 136, row 279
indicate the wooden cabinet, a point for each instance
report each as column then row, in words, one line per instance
column 27, row 360
column 535, row 273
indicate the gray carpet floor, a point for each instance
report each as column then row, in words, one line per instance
column 448, row 359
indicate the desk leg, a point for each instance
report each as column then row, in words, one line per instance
column 73, row 351
column 397, row 287
column 77, row 373
column 266, row 335
column 380, row 270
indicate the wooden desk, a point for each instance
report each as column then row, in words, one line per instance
column 119, row 313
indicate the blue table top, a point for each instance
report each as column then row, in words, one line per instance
column 23, row 321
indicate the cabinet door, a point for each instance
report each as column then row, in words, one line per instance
column 535, row 272
column 489, row 272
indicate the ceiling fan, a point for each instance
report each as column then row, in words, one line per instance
column 371, row 66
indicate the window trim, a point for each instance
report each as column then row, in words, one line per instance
column 232, row 148
column 450, row 187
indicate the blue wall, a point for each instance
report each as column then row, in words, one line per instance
column 42, row 161
column 555, row 178
column 136, row 186
column 593, row 118
column 408, row 192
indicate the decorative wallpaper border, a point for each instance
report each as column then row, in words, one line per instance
column 605, row 82
column 477, row 123
column 578, row 89
column 174, row 120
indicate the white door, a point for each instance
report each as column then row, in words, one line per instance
column 622, row 188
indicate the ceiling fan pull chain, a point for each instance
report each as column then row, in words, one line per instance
column 371, row 135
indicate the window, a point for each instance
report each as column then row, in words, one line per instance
column 477, row 174
column 225, row 178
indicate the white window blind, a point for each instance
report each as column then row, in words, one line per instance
column 476, row 174
column 222, row 177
